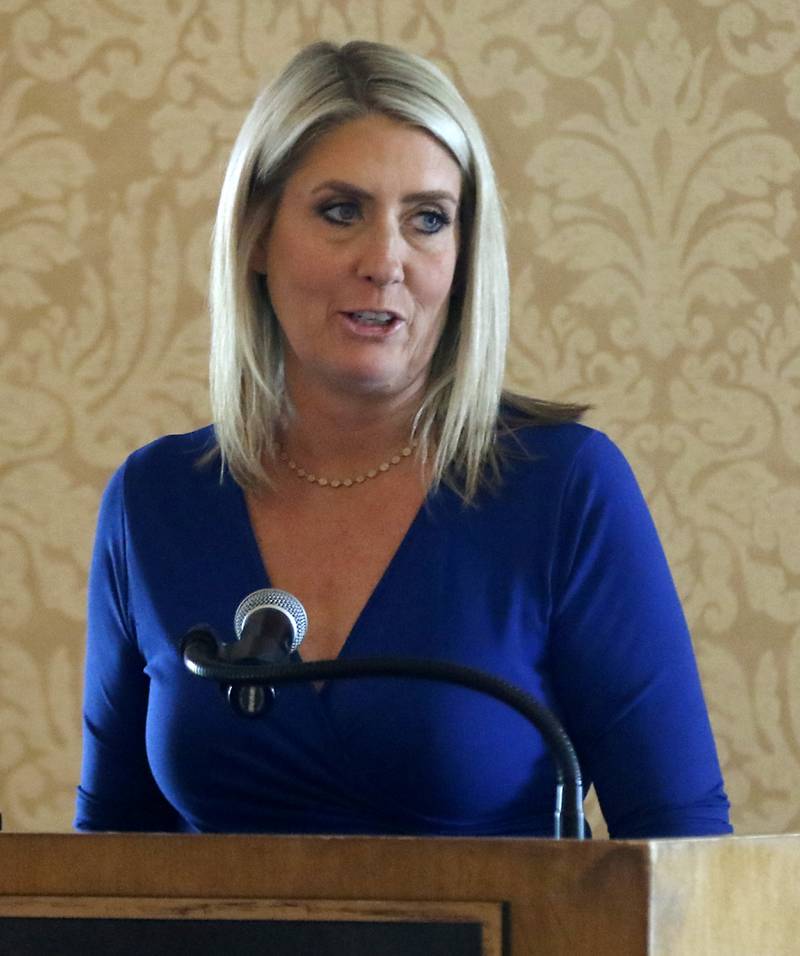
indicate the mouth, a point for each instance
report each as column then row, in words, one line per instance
column 365, row 317
column 373, row 321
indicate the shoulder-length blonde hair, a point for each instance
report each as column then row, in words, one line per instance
column 323, row 86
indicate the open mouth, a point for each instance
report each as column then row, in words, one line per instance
column 365, row 319
column 373, row 318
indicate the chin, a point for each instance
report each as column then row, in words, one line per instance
column 374, row 381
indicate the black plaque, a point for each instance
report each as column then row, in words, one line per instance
column 58, row 936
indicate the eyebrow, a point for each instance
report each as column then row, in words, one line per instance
column 428, row 195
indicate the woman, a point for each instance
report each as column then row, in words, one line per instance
column 365, row 459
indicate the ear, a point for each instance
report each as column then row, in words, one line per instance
column 258, row 255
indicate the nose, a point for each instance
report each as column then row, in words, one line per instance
column 381, row 258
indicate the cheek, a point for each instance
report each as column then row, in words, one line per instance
column 436, row 282
column 301, row 270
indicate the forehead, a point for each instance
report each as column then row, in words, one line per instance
column 378, row 153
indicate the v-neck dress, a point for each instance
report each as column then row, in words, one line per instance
column 555, row 582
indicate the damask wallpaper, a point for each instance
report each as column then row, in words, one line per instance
column 650, row 159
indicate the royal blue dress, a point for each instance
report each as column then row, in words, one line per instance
column 556, row 582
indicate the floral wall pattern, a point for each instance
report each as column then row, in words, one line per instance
column 650, row 159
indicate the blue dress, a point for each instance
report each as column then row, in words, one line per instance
column 556, row 582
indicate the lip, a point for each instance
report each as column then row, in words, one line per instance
column 371, row 331
column 373, row 308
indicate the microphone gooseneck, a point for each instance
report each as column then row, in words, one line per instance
column 246, row 677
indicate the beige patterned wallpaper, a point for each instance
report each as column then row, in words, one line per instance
column 650, row 156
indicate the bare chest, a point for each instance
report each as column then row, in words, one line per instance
column 331, row 551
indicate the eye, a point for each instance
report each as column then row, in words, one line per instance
column 431, row 221
column 341, row 213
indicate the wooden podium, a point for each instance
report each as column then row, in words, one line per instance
column 237, row 895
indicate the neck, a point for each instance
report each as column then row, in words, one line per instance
column 343, row 433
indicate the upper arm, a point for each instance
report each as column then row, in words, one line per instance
column 623, row 659
column 117, row 790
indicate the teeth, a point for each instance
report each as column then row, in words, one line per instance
column 373, row 318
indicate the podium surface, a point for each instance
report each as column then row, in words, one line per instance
column 736, row 896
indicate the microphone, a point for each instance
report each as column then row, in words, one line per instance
column 270, row 625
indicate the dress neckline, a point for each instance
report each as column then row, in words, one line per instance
column 261, row 573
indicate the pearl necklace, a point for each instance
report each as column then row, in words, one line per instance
column 359, row 479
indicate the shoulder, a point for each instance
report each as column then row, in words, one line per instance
column 568, row 449
column 170, row 455
column 589, row 492
column 577, row 473
column 158, row 468
column 172, row 451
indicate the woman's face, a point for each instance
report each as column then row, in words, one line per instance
column 359, row 259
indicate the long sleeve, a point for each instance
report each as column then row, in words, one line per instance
column 622, row 656
column 117, row 790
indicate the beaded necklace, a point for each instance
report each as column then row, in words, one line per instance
column 358, row 479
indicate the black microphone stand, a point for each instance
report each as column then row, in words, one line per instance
column 200, row 655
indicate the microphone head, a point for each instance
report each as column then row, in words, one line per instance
column 273, row 598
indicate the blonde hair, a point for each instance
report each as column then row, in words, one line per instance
column 323, row 86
